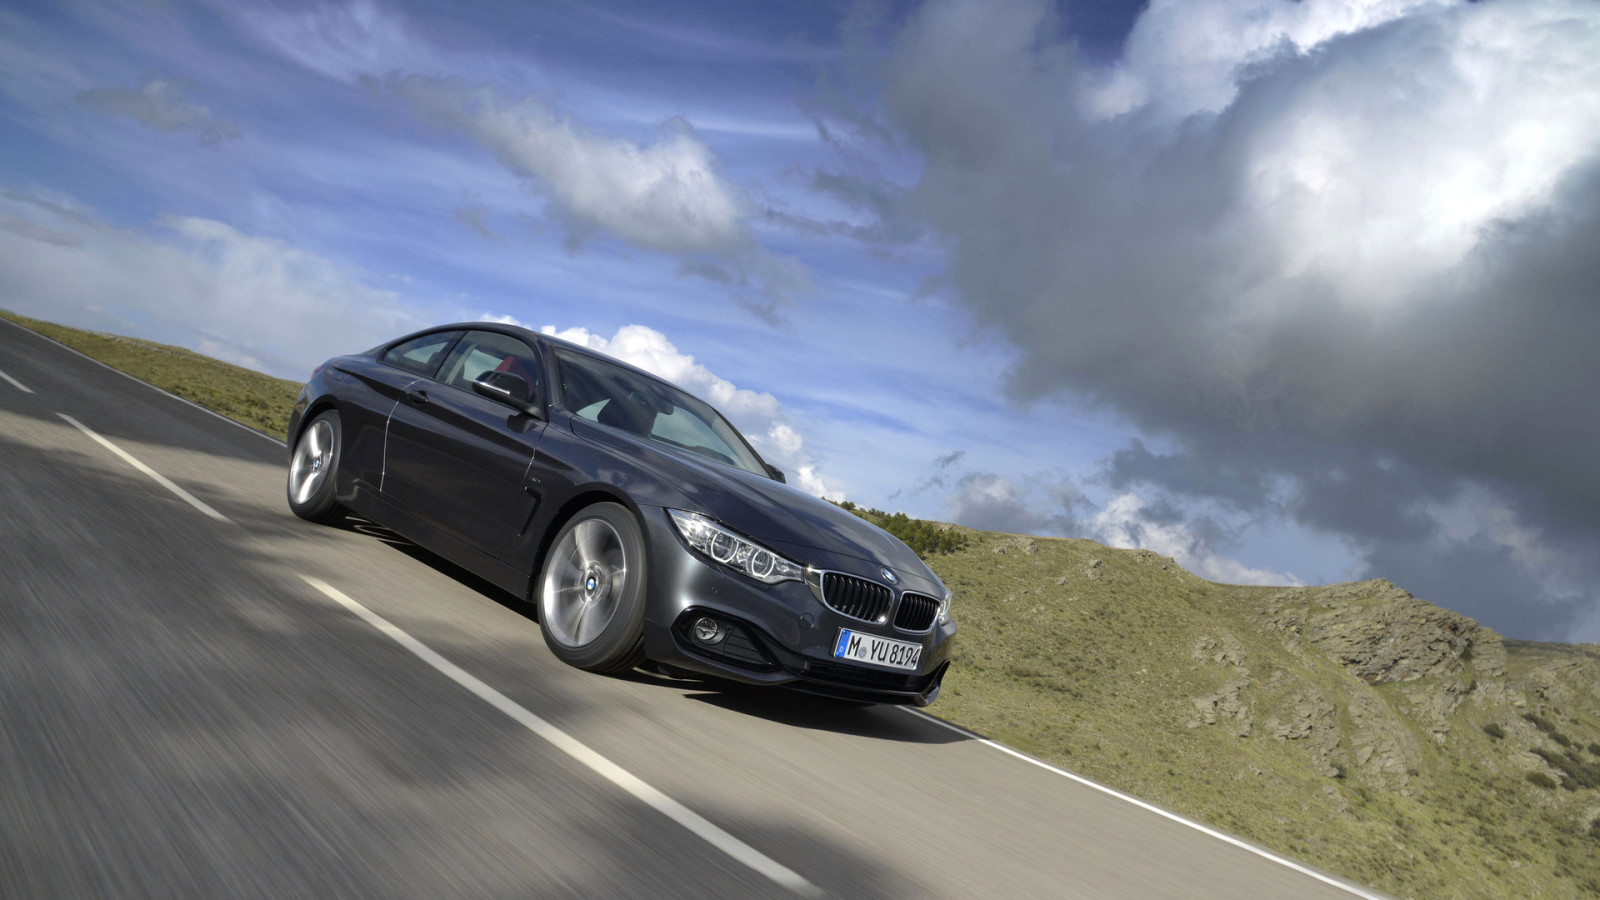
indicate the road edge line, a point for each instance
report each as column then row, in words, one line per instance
column 571, row 746
column 1150, row 807
column 103, row 365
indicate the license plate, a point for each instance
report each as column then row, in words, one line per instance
column 877, row 651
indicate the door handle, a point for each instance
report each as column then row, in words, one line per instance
column 416, row 398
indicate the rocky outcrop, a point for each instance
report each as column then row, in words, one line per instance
column 1489, row 664
column 1308, row 716
column 1218, row 650
column 1383, row 749
column 1027, row 546
column 1152, row 558
column 1382, row 634
column 1226, row 704
column 1432, row 703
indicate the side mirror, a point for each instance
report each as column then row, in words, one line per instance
column 505, row 387
column 776, row 473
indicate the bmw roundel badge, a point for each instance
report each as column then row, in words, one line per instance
column 889, row 576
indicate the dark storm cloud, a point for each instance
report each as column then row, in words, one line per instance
column 990, row 502
column 1188, row 473
column 1336, row 266
column 1482, row 579
column 941, row 475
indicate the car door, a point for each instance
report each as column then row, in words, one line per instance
column 460, row 461
column 368, row 390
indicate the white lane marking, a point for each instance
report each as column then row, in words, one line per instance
column 569, row 745
column 17, row 384
column 209, row 412
column 160, row 479
column 1226, row 838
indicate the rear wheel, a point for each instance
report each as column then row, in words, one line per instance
column 591, row 591
column 312, row 467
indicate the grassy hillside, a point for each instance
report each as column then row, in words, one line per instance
column 257, row 400
column 1351, row 726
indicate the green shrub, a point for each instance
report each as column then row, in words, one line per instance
column 925, row 538
column 1540, row 779
column 1548, row 727
column 1579, row 774
column 1494, row 730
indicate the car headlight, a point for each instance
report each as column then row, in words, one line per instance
column 738, row 553
column 944, row 607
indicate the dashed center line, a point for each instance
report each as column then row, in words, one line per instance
column 16, row 384
column 116, row 371
column 160, row 479
column 569, row 745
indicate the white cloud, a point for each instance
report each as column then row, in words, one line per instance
column 1123, row 523
column 255, row 300
column 1042, row 505
column 229, row 353
column 665, row 196
column 758, row 415
column 160, row 104
column 340, row 41
column 1479, row 513
column 1031, row 505
column 1188, row 56
column 1478, row 130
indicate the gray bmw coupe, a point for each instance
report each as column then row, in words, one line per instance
column 638, row 521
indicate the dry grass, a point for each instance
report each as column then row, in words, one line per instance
column 1092, row 658
column 251, row 398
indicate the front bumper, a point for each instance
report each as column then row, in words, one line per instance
column 779, row 635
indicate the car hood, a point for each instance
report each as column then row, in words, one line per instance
column 766, row 510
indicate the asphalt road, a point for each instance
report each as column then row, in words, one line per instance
column 183, row 713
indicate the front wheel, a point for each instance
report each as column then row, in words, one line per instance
column 591, row 591
column 312, row 467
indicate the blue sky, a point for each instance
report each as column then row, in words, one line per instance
column 1294, row 292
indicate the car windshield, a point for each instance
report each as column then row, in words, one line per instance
column 616, row 397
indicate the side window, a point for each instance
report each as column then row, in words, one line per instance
column 421, row 355
column 487, row 351
column 681, row 428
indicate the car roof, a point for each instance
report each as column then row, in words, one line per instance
column 539, row 338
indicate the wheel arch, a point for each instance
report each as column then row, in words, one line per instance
column 315, row 408
column 584, row 498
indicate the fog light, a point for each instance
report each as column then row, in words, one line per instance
column 708, row 630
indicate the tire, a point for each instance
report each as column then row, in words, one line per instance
column 591, row 591
column 313, row 465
